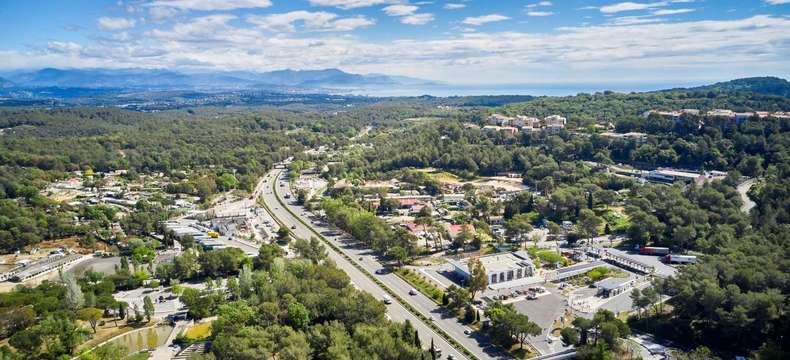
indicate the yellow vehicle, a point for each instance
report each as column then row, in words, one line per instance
column 213, row 234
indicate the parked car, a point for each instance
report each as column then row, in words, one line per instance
column 412, row 292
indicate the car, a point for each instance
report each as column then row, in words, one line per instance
column 438, row 352
column 293, row 227
column 592, row 286
column 381, row 271
column 387, row 300
column 412, row 292
column 450, row 357
column 467, row 331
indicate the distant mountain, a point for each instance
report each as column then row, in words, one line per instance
column 768, row 85
column 5, row 83
column 147, row 79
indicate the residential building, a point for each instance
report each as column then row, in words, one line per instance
column 498, row 119
column 555, row 121
column 522, row 121
column 721, row 113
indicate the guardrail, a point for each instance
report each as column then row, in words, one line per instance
column 450, row 340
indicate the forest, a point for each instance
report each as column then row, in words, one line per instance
column 733, row 302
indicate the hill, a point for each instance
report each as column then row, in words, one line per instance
column 767, row 85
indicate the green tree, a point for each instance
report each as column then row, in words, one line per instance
column 91, row 316
column 148, row 307
column 298, row 316
column 478, row 280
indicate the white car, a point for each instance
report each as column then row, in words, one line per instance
column 412, row 292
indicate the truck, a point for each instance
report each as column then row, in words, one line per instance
column 680, row 259
column 653, row 250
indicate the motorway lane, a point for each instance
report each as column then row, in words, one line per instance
column 475, row 342
column 396, row 311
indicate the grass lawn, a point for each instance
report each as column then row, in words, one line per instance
column 109, row 331
column 199, row 331
column 421, row 284
column 445, row 177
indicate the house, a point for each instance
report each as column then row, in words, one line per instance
column 497, row 119
column 499, row 268
column 522, row 121
column 456, row 229
column 672, row 115
column 555, row 121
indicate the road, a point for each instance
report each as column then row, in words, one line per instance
column 743, row 189
column 474, row 342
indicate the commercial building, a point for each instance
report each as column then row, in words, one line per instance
column 499, row 268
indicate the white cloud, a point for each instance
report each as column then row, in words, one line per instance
column 630, row 6
column 542, row 3
column 351, row 4
column 115, row 23
column 640, row 52
column 318, row 20
column 778, row 2
column 63, row 47
column 158, row 13
column 417, row 19
column 634, row 20
column 454, row 6
column 673, row 11
column 540, row 13
column 634, row 6
column 480, row 20
column 209, row 5
column 400, row 10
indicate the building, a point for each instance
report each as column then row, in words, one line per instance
column 635, row 136
column 555, row 121
column 721, row 113
column 522, row 121
column 573, row 270
column 498, row 119
column 499, row 268
column 454, row 229
column 672, row 115
column 613, row 286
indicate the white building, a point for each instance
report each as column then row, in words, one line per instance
column 524, row 121
column 555, row 121
column 499, row 268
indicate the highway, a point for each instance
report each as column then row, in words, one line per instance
column 473, row 342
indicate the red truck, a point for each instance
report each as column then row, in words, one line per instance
column 653, row 250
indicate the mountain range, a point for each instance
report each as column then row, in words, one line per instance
column 159, row 80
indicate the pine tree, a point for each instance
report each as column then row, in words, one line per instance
column 74, row 297
column 417, row 341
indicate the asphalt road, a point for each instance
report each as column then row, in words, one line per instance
column 396, row 311
column 474, row 342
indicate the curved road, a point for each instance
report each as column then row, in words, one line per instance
column 473, row 342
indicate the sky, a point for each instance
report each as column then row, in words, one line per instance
column 453, row 41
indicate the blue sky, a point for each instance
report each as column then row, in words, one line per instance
column 456, row 41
